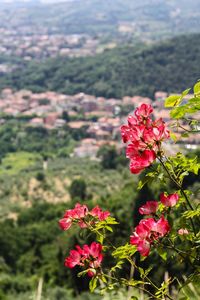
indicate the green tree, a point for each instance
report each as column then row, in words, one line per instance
column 108, row 156
column 65, row 116
column 78, row 189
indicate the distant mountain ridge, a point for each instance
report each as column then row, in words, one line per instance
column 170, row 66
column 104, row 16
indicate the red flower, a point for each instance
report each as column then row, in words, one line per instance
column 147, row 232
column 149, row 208
column 97, row 212
column 94, row 252
column 81, row 216
column 161, row 227
column 144, row 134
column 169, row 200
column 73, row 260
column 141, row 161
column 89, row 257
column 143, row 247
column 78, row 213
column 144, row 110
column 65, row 223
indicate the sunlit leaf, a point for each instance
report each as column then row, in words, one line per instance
column 173, row 100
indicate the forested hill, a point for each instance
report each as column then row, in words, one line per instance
column 170, row 66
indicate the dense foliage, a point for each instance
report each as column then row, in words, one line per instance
column 116, row 73
column 16, row 136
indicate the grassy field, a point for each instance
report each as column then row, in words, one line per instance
column 14, row 163
column 23, row 180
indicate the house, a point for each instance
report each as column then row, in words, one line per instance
column 37, row 122
column 51, row 118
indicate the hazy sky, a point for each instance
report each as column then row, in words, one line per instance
column 43, row 1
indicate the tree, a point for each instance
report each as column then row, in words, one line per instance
column 108, row 156
column 78, row 189
column 65, row 116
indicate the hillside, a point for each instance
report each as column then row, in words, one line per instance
column 95, row 16
column 170, row 66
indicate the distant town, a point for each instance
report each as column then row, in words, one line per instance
column 39, row 45
column 101, row 118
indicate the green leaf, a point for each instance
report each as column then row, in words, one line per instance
column 185, row 135
column 191, row 213
column 100, row 238
column 133, row 282
column 173, row 100
column 185, row 92
column 197, row 88
column 195, row 102
column 93, row 284
column 125, row 251
column 173, row 136
column 117, row 266
column 111, row 221
column 82, row 273
column 147, row 179
column 109, row 228
column 103, row 278
column 162, row 253
column 178, row 112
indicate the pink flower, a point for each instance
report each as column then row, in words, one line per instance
column 65, row 223
column 73, row 260
column 144, row 247
column 147, row 232
column 141, row 161
column 149, row 208
column 183, row 231
column 169, row 200
column 144, row 110
column 78, row 213
column 97, row 212
column 81, row 216
column 89, row 257
column 161, row 227
column 143, row 134
column 95, row 251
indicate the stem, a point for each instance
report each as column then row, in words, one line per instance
column 186, row 197
column 181, row 189
column 145, row 290
column 145, row 276
column 168, row 296
column 177, row 184
column 179, row 252
column 190, row 131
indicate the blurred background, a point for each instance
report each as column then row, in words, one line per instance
column 70, row 72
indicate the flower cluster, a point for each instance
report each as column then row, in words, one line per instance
column 89, row 257
column 81, row 215
column 147, row 232
column 151, row 207
column 150, row 230
column 144, row 136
